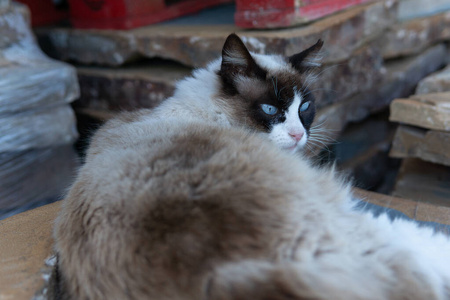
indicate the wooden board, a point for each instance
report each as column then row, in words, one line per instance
column 25, row 242
column 423, row 181
column 429, row 145
column 417, row 210
column 431, row 111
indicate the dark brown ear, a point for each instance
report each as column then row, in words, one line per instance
column 307, row 59
column 237, row 60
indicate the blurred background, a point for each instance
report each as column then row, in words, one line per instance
column 383, row 94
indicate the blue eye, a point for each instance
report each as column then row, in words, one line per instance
column 269, row 109
column 304, row 106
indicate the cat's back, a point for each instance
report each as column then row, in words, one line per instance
column 170, row 200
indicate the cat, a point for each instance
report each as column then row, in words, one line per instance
column 207, row 197
column 267, row 93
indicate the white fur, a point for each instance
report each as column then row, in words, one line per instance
column 194, row 98
column 234, row 59
column 280, row 133
column 272, row 62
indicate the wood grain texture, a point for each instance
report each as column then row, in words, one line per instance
column 25, row 242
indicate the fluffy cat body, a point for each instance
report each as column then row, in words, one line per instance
column 191, row 202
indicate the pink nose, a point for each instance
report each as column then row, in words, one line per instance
column 296, row 136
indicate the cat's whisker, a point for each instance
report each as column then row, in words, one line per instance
column 320, row 129
column 316, row 131
column 312, row 77
column 321, row 126
column 275, row 86
column 366, row 204
column 320, row 145
column 328, row 68
column 320, row 89
column 279, row 92
column 322, row 137
column 318, row 141
column 325, row 144
column 326, row 140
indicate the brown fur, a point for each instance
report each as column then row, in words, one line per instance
column 186, row 210
column 195, row 205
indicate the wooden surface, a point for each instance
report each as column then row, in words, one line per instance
column 25, row 242
column 416, row 210
column 423, row 181
column 428, row 145
column 431, row 111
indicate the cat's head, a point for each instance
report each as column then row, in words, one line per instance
column 270, row 92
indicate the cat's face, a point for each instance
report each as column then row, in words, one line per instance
column 269, row 92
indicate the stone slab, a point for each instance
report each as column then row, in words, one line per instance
column 26, row 241
column 343, row 33
column 128, row 88
column 146, row 85
column 430, row 111
column 410, row 9
column 429, row 145
column 416, row 210
column 412, row 37
column 400, row 79
column 435, row 83
column 424, row 182
column 337, row 82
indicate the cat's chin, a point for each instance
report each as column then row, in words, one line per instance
column 293, row 148
column 296, row 147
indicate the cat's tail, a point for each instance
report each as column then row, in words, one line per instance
column 259, row 280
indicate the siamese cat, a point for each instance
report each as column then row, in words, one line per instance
column 207, row 198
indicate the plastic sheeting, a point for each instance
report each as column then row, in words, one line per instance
column 32, row 177
column 35, row 116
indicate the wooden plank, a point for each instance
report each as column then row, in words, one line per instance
column 406, row 206
column 435, row 83
column 429, row 145
column 430, row 111
column 25, row 242
column 424, row 182
column 416, row 210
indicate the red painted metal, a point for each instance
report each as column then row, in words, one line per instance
column 284, row 13
column 127, row 14
column 44, row 12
